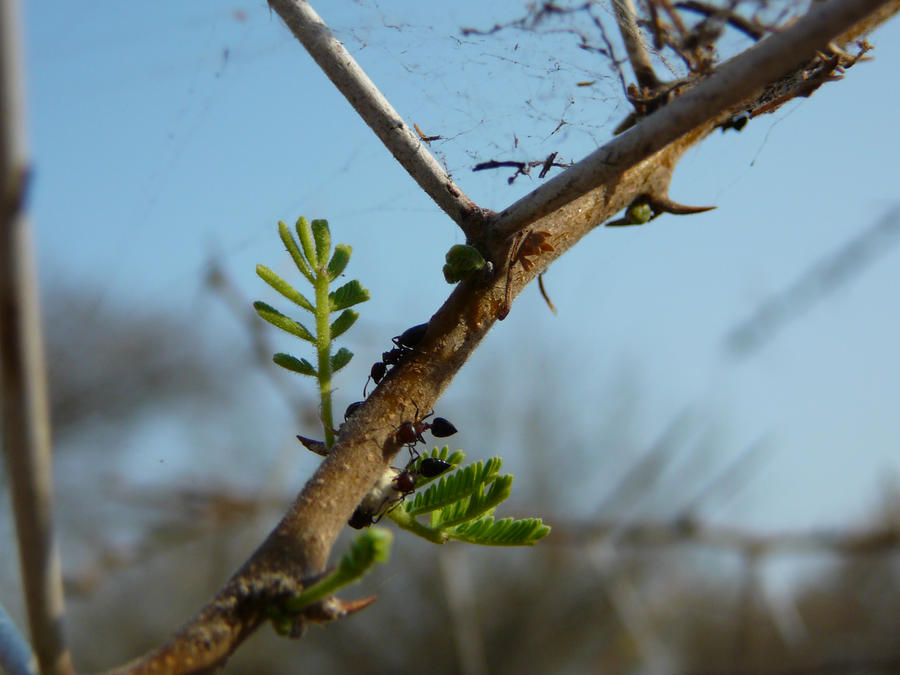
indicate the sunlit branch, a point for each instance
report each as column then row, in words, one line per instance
column 402, row 141
column 734, row 82
column 634, row 44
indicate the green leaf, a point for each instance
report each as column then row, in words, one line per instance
column 339, row 261
column 284, row 288
column 455, row 487
column 340, row 359
column 370, row 547
column 322, row 236
column 301, row 366
column 477, row 505
column 292, row 248
column 340, row 325
column 505, row 532
column 349, row 294
column 279, row 320
column 306, row 240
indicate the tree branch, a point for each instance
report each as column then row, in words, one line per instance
column 734, row 82
column 634, row 44
column 404, row 144
column 607, row 181
column 26, row 425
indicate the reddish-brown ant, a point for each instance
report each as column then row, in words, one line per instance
column 410, row 433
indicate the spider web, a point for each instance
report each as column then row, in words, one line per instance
column 511, row 84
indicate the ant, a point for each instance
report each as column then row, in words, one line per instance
column 410, row 433
column 393, row 487
column 352, row 408
column 432, row 467
column 404, row 343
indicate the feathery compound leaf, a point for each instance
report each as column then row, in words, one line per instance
column 455, row 487
column 349, row 294
column 339, row 261
column 340, row 359
column 284, row 288
column 322, row 237
column 279, row 320
column 476, row 506
column 291, row 245
column 369, row 547
column 505, row 532
column 306, row 241
column 301, row 366
column 340, row 325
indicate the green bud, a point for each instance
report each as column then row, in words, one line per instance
column 639, row 213
column 462, row 262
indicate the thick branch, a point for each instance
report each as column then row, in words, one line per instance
column 733, row 82
column 26, row 423
column 404, row 144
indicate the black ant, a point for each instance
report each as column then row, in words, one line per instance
column 352, row 409
column 410, row 433
column 393, row 487
column 404, row 343
column 431, row 467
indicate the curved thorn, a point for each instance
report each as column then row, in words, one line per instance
column 317, row 447
column 666, row 205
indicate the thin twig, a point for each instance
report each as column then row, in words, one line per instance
column 732, row 83
column 402, row 141
column 634, row 44
column 748, row 27
column 26, row 423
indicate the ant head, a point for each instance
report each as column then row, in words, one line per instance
column 379, row 369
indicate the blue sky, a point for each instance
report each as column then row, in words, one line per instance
column 163, row 135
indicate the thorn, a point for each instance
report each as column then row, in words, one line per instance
column 313, row 445
column 354, row 606
column 544, row 293
column 666, row 205
column 332, row 609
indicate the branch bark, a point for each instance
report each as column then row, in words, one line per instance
column 563, row 211
column 733, row 83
